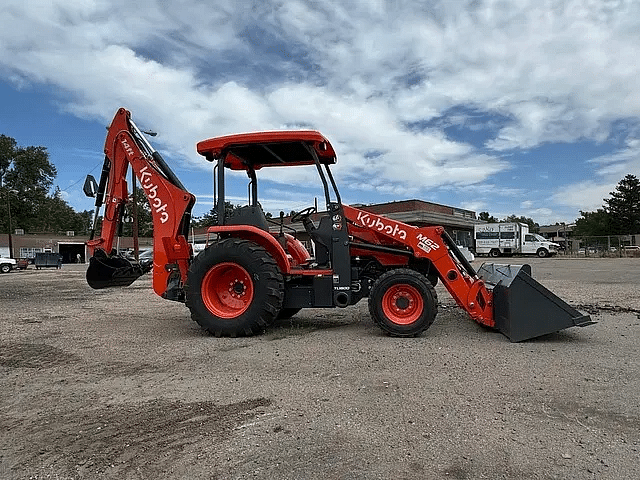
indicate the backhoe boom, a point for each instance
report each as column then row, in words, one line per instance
column 170, row 205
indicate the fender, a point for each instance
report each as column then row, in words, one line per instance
column 259, row 236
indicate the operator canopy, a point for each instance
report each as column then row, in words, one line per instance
column 268, row 149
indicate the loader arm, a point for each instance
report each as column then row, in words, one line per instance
column 170, row 204
column 434, row 244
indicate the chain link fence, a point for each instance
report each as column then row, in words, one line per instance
column 601, row 246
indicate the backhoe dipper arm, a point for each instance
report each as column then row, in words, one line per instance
column 169, row 201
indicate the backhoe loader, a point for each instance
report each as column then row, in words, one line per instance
column 252, row 272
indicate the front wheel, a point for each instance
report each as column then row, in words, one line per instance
column 5, row 268
column 542, row 253
column 403, row 303
column 234, row 288
column 494, row 253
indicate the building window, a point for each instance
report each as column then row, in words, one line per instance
column 29, row 252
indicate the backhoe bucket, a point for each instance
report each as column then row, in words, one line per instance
column 111, row 271
column 522, row 307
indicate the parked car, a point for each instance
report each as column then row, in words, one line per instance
column 145, row 259
column 7, row 264
column 23, row 263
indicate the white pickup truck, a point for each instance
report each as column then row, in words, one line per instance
column 7, row 264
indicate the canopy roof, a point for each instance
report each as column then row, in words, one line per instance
column 268, row 149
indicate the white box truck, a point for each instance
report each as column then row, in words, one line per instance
column 496, row 239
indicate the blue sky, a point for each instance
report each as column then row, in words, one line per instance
column 513, row 107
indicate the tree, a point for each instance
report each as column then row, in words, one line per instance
column 145, row 219
column 26, row 178
column 485, row 217
column 592, row 224
column 211, row 217
column 533, row 226
column 623, row 207
column 7, row 151
column 27, row 170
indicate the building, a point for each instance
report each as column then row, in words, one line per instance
column 69, row 245
column 457, row 222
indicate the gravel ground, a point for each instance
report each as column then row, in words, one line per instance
column 121, row 384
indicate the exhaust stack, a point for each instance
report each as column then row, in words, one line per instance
column 525, row 309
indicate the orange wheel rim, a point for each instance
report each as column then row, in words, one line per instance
column 402, row 304
column 227, row 290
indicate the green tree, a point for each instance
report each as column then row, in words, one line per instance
column 623, row 207
column 534, row 227
column 592, row 224
column 26, row 178
column 7, row 152
column 485, row 216
column 84, row 221
column 31, row 175
column 211, row 217
column 143, row 211
column 56, row 215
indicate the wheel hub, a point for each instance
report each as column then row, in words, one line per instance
column 237, row 288
column 402, row 304
column 227, row 290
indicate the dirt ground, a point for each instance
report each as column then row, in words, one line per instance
column 121, row 384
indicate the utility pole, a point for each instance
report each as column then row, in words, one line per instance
column 9, row 192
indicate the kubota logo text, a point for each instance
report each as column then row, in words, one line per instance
column 376, row 223
column 152, row 194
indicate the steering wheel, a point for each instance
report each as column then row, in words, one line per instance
column 303, row 214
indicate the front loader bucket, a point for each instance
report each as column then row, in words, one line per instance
column 111, row 271
column 522, row 307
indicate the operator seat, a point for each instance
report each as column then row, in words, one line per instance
column 248, row 215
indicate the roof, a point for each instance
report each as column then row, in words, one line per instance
column 414, row 205
column 268, row 149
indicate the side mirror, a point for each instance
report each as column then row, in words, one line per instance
column 90, row 187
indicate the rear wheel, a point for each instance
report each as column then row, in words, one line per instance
column 5, row 268
column 234, row 288
column 494, row 253
column 403, row 303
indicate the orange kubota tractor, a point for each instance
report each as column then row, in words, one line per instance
column 248, row 276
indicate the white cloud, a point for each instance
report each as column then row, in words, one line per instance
column 589, row 195
column 586, row 196
column 358, row 71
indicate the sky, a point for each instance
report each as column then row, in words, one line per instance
column 530, row 108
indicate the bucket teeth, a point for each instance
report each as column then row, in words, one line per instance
column 524, row 308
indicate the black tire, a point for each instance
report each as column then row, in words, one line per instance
column 286, row 313
column 5, row 268
column 494, row 253
column 542, row 253
column 234, row 288
column 403, row 303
